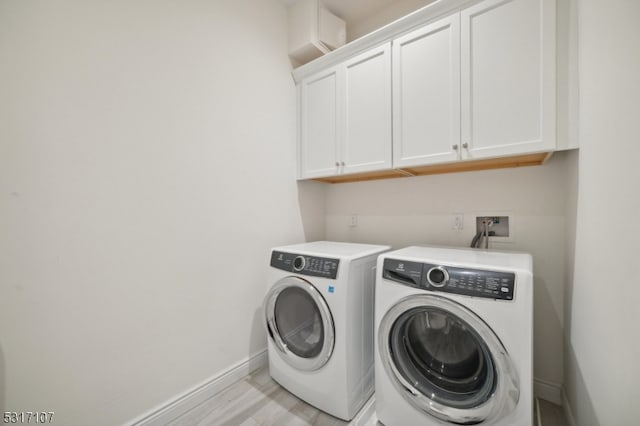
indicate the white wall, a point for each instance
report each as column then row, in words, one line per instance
column 147, row 164
column 379, row 18
column 602, row 304
column 420, row 210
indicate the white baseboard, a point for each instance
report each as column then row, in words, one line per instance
column 548, row 391
column 568, row 414
column 180, row 404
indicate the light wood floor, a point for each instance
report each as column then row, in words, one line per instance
column 258, row 400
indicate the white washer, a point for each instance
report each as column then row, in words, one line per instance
column 454, row 332
column 319, row 317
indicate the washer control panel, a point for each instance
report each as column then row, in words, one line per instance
column 449, row 279
column 314, row 266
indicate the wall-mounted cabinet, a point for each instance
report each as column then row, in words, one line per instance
column 320, row 120
column 508, row 78
column 426, row 94
column 345, row 117
column 475, row 84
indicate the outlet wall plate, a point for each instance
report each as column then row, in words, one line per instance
column 457, row 223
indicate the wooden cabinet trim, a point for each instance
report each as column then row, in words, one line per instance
column 456, row 167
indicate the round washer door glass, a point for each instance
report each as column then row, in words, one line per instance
column 443, row 357
column 448, row 359
column 299, row 323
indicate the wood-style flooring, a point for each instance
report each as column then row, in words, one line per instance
column 258, row 400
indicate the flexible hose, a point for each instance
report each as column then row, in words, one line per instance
column 474, row 242
column 478, row 238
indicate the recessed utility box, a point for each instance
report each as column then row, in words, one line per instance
column 313, row 30
column 497, row 224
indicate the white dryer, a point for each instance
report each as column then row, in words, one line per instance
column 454, row 331
column 318, row 313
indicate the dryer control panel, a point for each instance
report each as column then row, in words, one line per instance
column 449, row 279
column 314, row 266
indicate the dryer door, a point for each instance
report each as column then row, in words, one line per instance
column 446, row 361
column 299, row 323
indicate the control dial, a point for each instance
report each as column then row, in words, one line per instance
column 299, row 263
column 438, row 276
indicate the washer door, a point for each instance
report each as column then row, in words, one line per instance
column 446, row 361
column 299, row 323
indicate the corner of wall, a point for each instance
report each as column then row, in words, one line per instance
column 566, row 408
column 312, row 201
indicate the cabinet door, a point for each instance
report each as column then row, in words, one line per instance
column 319, row 124
column 367, row 121
column 426, row 94
column 508, row 77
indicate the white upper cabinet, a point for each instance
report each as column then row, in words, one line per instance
column 477, row 84
column 345, row 117
column 367, row 118
column 508, row 78
column 446, row 84
column 320, row 122
column 426, row 94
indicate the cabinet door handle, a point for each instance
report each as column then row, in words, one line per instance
column 337, row 164
column 342, row 163
column 455, row 147
column 465, row 145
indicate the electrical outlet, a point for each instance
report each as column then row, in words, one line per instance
column 497, row 224
column 458, row 222
column 353, row 221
